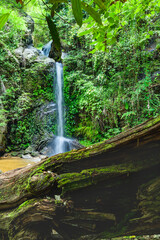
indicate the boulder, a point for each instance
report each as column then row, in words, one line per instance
column 76, row 145
column 30, row 55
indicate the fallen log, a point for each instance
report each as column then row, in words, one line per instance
column 109, row 189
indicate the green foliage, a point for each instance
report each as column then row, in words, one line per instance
column 2, row 118
column 3, row 19
column 115, row 17
column 92, row 13
column 106, row 93
column 77, row 11
column 26, row 90
column 15, row 28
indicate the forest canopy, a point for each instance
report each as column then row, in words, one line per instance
column 101, row 19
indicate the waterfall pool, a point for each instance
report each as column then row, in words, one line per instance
column 10, row 163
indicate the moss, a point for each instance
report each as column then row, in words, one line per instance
column 25, row 204
column 73, row 181
column 152, row 122
column 39, row 182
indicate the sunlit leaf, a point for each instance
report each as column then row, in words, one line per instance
column 3, row 19
column 93, row 51
column 126, row 106
column 77, row 11
column 100, row 4
column 57, row 1
column 85, row 32
column 92, row 13
column 54, row 33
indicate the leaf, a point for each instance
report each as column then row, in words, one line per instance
column 100, row 4
column 54, row 33
column 3, row 19
column 85, row 32
column 57, row 1
column 77, row 11
column 126, row 106
column 92, row 13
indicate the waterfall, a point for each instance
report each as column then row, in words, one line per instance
column 59, row 98
column 60, row 143
column 60, row 140
column 3, row 88
column 46, row 49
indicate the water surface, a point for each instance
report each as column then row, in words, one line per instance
column 10, row 163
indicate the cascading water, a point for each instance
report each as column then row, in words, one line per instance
column 60, row 140
column 60, row 144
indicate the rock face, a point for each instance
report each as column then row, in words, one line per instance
column 27, row 39
column 3, row 130
column 30, row 55
column 27, row 96
column 45, row 119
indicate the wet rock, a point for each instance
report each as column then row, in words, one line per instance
column 27, row 39
column 45, row 119
column 41, row 140
column 76, row 145
column 42, row 157
column 29, row 150
column 35, row 154
column 3, row 130
column 26, row 156
column 19, row 52
column 30, row 53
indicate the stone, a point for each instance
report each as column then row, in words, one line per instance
column 19, row 52
column 28, row 150
column 3, row 130
column 76, row 145
column 35, row 154
column 27, row 39
column 42, row 156
column 30, row 53
column 36, row 159
column 26, row 156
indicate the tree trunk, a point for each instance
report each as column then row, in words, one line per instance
column 109, row 189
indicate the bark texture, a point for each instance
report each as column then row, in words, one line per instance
column 106, row 190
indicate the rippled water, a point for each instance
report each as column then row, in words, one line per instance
column 10, row 163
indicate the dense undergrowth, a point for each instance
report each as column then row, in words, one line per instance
column 107, row 93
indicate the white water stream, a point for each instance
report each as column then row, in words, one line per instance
column 60, row 144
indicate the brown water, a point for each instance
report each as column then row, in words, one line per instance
column 10, row 163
